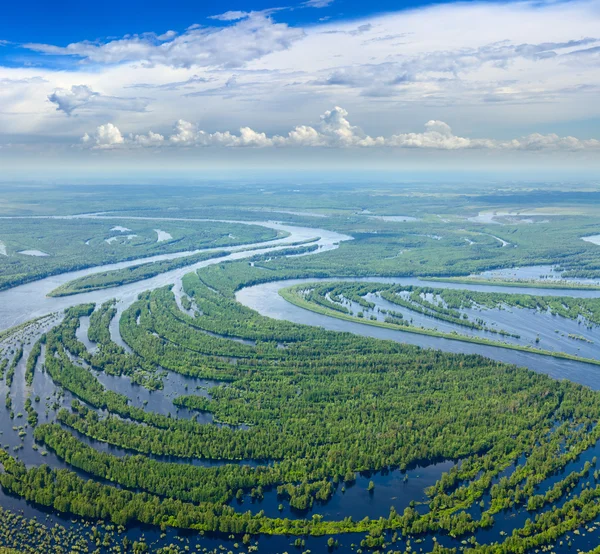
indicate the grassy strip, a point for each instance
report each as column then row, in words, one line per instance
column 530, row 284
column 290, row 294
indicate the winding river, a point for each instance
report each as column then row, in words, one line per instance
column 25, row 302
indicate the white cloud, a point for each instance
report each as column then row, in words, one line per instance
column 151, row 139
column 106, row 136
column 335, row 125
column 437, row 135
column 251, row 38
column 317, row 3
column 491, row 69
column 232, row 15
column 82, row 96
column 536, row 141
column 167, row 36
column 304, row 135
column 334, row 131
column 442, row 67
column 69, row 100
column 185, row 133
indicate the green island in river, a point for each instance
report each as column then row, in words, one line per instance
column 176, row 418
column 293, row 295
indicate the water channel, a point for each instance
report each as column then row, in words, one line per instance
column 393, row 488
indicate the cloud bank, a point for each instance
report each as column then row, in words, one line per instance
column 334, row 130
column 258, row 79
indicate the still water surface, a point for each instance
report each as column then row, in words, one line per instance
column 391, row 488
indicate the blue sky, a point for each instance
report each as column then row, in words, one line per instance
column 75, row 20
column 318, row 83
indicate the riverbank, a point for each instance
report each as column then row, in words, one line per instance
column 290, row 294
column 532, row 284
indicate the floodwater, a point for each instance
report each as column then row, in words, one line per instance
column 534, row 273
column 265, row 299
column 501, row 241
column 162, row 235
column 594, row 239
column 503, row 218
column 535, row 329
column 391, row 488
column 35, row 253
column 120, row 238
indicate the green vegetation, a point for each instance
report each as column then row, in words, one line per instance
column 438, row 249
column 10, row 373
column 295, row 296
column 72, row 244
column 524, row 283
column 117, row 277
column 295, row 411
column 61, row 343
column 283, row 381
column 32, row 360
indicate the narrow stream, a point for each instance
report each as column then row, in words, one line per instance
column 391, row 488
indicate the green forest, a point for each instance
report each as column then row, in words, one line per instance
column 208, row 414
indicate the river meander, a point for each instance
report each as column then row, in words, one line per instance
column 29, row 301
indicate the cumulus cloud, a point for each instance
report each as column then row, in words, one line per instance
column 151, row 139
column 69, row 100
column 106, row 136
column 251, row 38
column 82, row 96
column 334, row 130
column 335, row 126
column 437, row 135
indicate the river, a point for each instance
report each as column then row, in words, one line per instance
column 28, row 301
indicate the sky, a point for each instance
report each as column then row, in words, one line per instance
column 332, row 84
